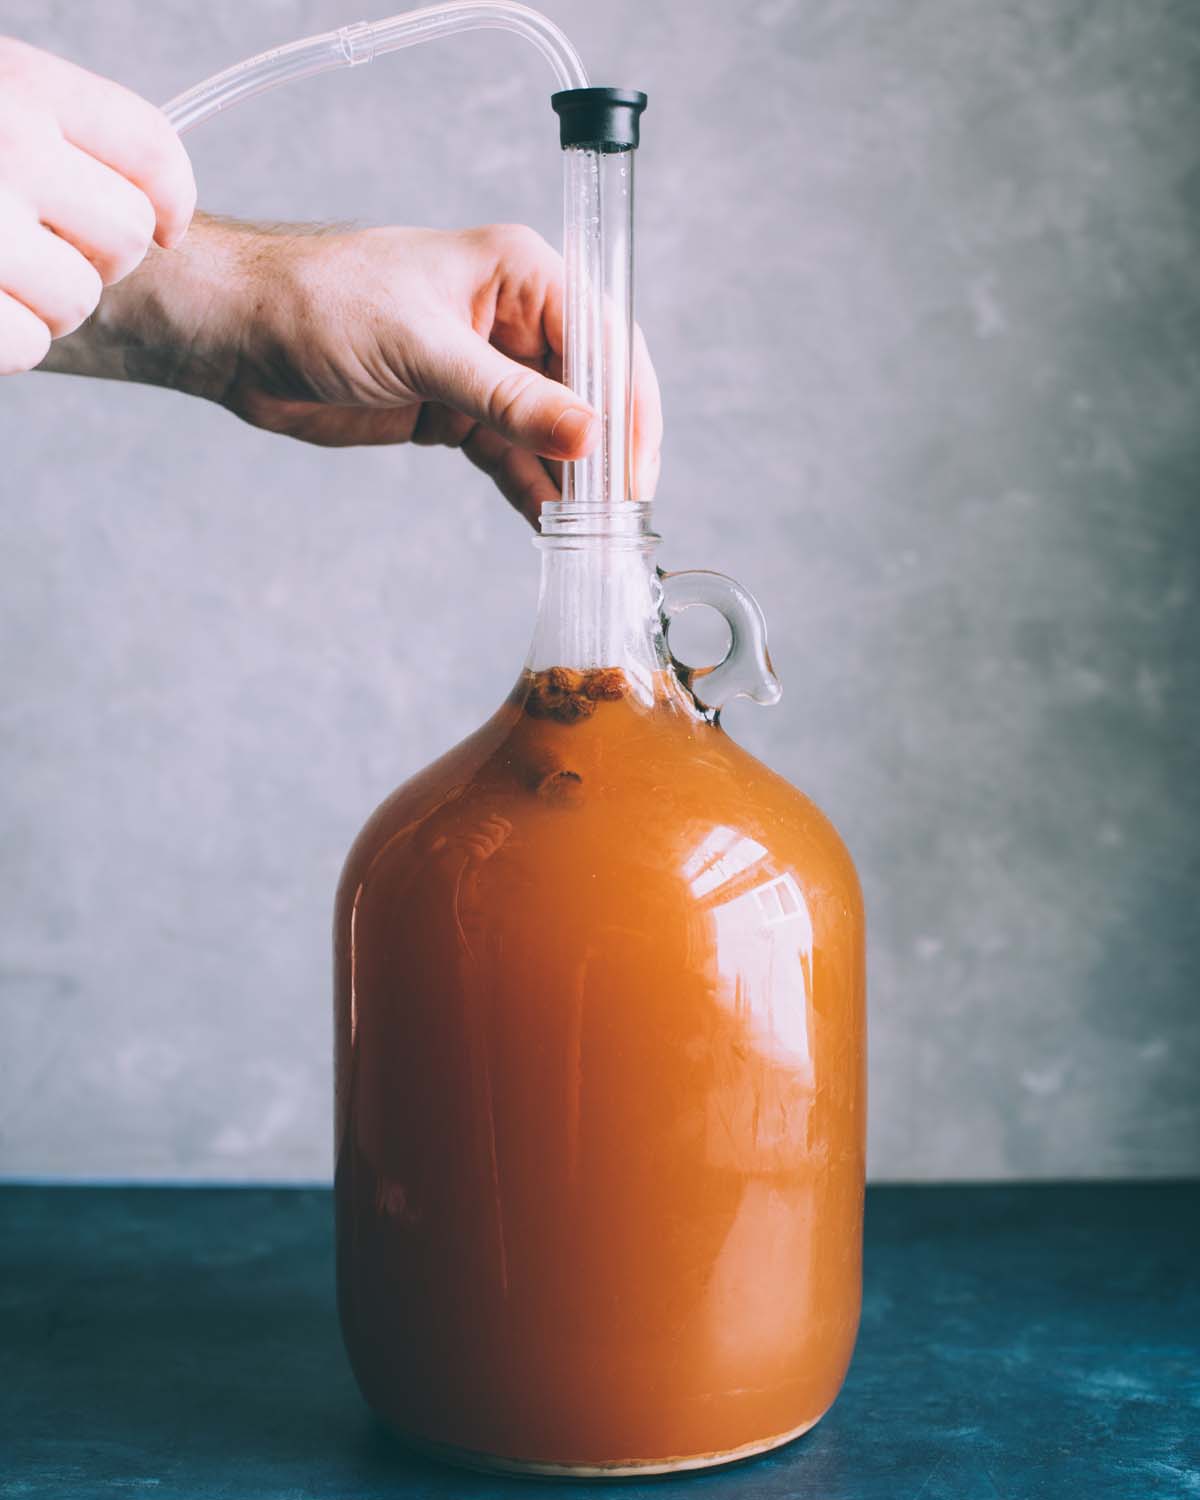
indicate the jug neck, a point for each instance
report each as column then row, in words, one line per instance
column 598, row 605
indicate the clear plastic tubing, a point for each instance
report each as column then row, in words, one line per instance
column 597, row 206
column 351, row 45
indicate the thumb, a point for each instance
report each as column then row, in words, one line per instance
column 465, row 372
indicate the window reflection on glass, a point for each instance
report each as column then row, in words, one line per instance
column 723, row 854
column 764, row 947
column 763, row 939
column 758, row 1119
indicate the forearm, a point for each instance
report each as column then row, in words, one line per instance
column 177, row 320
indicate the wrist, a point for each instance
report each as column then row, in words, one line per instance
column 175, row 322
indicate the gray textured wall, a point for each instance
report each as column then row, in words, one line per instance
column 922, row 284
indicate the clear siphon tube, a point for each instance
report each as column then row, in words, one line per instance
column 349, row 46
column 598, row 316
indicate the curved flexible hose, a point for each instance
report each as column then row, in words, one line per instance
column 351, row 45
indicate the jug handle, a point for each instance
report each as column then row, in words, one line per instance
column 745, row 671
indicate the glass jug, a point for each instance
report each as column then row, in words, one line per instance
column 600, row 1039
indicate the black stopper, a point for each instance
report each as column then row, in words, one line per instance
column 602, row 119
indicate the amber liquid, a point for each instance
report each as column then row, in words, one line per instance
column 600, row 1100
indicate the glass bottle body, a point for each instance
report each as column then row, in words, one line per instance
column 600, row 1103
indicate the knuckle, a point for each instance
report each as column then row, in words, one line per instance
column 116, row 264
column 142, row 218
column 155, row 153
column 520, row 239
column 17, row 218
column 131, row 230
column 512, row 241
column 165, row 164
column 29, row 154
column 18, row 60
column 507, row 396
column 82, row 300
column 91, row 285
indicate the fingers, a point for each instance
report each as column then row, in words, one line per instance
column 89, row 175
column 518, row 474
column 528, row 272
column 24, row 338
column 134, row 139
column 111, row 124
column 43, row 272
column 465, row 372
column 98, row 211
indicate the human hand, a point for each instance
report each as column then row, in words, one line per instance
column 90, row 174
column 370, row 336
column 425, row 336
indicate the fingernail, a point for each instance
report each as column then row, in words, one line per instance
column 570, row 433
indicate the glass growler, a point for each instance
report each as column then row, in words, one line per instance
column 600, row 1011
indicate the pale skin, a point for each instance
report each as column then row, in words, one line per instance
column 337, row 337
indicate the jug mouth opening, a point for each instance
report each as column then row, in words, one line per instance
column 625, row 524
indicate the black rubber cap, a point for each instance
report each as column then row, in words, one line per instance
column 604, row 119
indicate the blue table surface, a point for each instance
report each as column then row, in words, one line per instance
column 1017, row 1341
